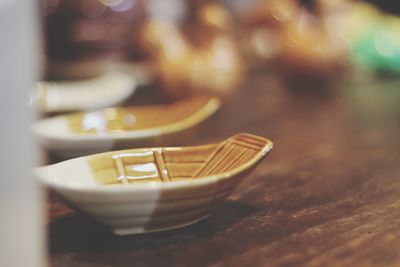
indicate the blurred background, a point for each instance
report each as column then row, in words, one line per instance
column 211, row 45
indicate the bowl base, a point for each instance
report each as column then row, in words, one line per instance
column 142, row 230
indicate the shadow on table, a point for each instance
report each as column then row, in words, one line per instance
column 82, row 233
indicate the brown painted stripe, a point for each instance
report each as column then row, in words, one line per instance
column 247, row 145
column 225, row 159
column 215, row 160
column 236, row 159
column 210, row 159
column 222, row 160
column 251, row 139
column 120, row 169
column 250, row 154
column 159, row 161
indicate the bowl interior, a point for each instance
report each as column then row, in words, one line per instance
column 122, row 119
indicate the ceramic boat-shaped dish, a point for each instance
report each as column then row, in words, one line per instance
column 88, row 94
column 154, row 189
column 85, row 133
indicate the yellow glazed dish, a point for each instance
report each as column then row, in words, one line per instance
column 155, row 189
column 85, row 133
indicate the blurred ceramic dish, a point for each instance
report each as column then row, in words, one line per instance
column 155, row 189
column 106, row 90
column 141, row 126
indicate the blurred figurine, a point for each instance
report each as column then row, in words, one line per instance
column 298, row 36
column 200, row 56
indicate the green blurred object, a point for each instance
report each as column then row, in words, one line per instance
column 377, row 49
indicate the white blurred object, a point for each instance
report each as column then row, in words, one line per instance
column 171, row 11
column 21, row 224
column 240, row 7
column 103, row 91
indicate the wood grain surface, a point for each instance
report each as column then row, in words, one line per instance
column 328, row 194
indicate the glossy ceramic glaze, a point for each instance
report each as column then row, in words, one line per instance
column 102, row 91
column 85, row 133
column 154, row 189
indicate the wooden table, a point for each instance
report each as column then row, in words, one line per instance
column 327, row 195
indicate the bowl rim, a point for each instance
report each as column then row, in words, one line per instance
column 67, row 107
column 154, row 185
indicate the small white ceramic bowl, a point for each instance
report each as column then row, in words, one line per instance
column 102, row 91
column 155, row 189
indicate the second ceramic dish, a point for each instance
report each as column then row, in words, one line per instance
column 85, row 133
